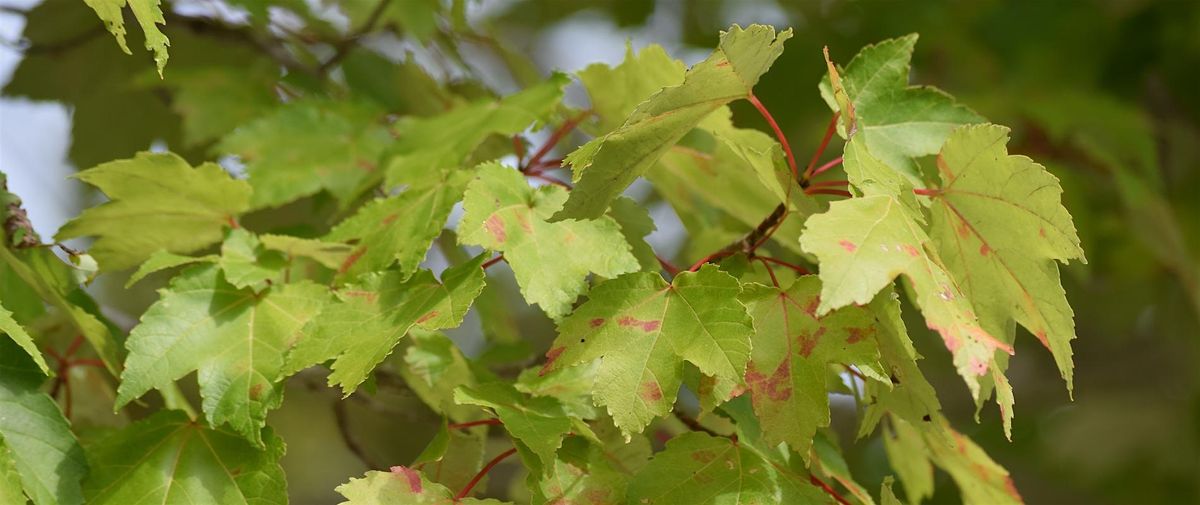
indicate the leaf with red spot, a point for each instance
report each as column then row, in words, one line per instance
column 999, row 224
column 401, row 486
column 792, row 352
column 551, row 261
column 864, row 244
column 647, row 329
column 362, row 327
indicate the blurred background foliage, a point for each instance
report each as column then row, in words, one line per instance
column 1104, row 93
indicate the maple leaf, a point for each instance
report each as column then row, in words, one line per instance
column 979, row 478
column 35, row 439
column 308, row 146
column 170, row 459
column 329, row 255
column 863, row 244
column 999, row 224
column 551, row 261
column 162, row 260
column 402, row 486
column 699, row 468
column 433, row 368
column 898, row 122
column 157, row 202
column 594, row 473
column 644, row 329
column 605, row 166
column 148, row 14
column 538, row 422
column 360, row 329
column 235, row 339
column 246, row 263
column 616, row 91
column 792, row 351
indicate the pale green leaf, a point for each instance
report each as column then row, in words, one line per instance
column 38, row 439
column 148, row 14
column 9, row 326
column 402, row 486
column 999, row 224
column 635, row 223
column 328, row 254
column 898, row 122
column 644, row 329
column 595, row 474
column 246, row 263
column 433, row 368
column 792, row 352
column 886, row 495
column 11, row 490
column 234, row 338
column 551, row 261
column 162, row 260
column 906, row 454
column 616, row 91
column 607, row 165
column 980, row 479
column 157, row 202
column 865, row 243
column 169, row 459
column 308, row 146
column 360, row 329
column 454, row 457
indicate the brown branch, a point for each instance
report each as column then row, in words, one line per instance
column 695, row 425
column 481, row 422
column 343, row 47
column 343, row 425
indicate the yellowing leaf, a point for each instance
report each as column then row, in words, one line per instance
column 551, row 261
column 402, row 486
column 234, row 338
column 643, row 329
column 148, row 14
column 607, row 165
column 157, row 202
column 999, row 224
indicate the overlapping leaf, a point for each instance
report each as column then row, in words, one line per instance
column 360, row 328
column 607, row 165
column 792, row 352
column 35, row 439
column 169, row 459
column 864, row 243
column 551, row 261
column 644, row 329
column 235, row 339
column 157, row 202
column 148, row 14
column 538, row 422
column 20, row 337
column 898, row 122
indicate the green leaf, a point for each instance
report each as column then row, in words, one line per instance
column 607, row 165
column 433, row 145
column 538, row 422
column 360, row 329
column 35, row 438
column 792, row 352
column 898, row 122
column 696, row 468
column 595, row 473
column 907, row 394
column 551, row 261
column 635, row 223
column 999, row 223
column 454, row 457
column 157, row 202
column 864, row 243
column 400, row 229
column 162, row 260
column 644, row 329
column 9, row 326
column 170, row 459
column 308, row 146
column 148, row 14
column 979, row 478
column 246, row 263
column 616, row 91
column 906, row 453
column 401, row 486
column 234, row 338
